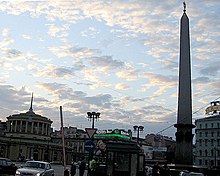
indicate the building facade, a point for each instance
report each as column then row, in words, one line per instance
column 161, row 149
column 208, row 139
column 29, row 135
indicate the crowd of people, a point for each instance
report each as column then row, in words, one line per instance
column 82, row 167
column 157, row 170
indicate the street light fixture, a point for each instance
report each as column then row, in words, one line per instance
column 92, row 116
column 138, row 129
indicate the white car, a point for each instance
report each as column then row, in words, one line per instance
column 35, row 168
column 187, row 173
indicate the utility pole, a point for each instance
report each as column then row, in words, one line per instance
column 66, row 172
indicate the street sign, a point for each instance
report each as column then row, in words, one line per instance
column 91, row 131
column 89, row 146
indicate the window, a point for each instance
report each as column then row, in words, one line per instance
column 212, row 125
column 200, row 125
column 206, row 153
column 200, row 162
column 48, row 166
column 212, row 134
column 206, row 141
column 200, row 134
column 206, row 126
column 206, row 134
column 200, row 152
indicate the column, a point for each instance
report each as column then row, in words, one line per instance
column 26, row 126
column 11, row 125
column 32, row 127
column 15, row 126
column 46, row 129
column 21, row 122
column 42, row 132
column 38, row 127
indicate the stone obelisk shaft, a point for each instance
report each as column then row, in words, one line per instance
column 184, row 117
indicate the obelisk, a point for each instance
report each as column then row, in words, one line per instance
column 184, row 146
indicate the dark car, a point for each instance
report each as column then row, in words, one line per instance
column 7, row 166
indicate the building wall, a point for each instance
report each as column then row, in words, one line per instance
column 208, row 141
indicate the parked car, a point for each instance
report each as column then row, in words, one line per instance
column 35, row 168
column 187, row 173
column 7, row 166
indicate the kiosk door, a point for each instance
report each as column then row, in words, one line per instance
column 121, row 166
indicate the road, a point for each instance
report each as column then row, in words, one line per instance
column 59, row 169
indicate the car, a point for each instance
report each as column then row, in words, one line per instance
column 35, row 168
column 7, row 166
column 187, row 173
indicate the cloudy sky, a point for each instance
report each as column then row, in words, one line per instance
column 119, row 58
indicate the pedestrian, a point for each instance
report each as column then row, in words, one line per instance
column 155, row 171
column 73, row 169
column 82, row 167
column 165, row 170
column 93, row 166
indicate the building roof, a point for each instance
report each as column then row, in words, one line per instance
column 209, row 118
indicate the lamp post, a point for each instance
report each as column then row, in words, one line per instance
column 138, row 129
column 92, row 116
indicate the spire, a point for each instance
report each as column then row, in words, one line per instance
column 184, row 7
column 31, row 108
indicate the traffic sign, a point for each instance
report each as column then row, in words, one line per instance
column 91, row 131
column 89, row 146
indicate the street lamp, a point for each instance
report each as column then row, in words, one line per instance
column 138, row 129
column 92, row 116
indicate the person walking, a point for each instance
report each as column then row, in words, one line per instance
column 82, row 167
column 93, row 166
column 155, row 171
column 73, row 169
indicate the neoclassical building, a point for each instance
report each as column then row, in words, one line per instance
column 208, row 137
column 30, row 136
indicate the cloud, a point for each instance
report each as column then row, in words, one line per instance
column 129, row 73
column 13, row 54
column 26, row 37
column 72, row 51
column 121, row 86
column 62, row 91
column 211, row 69
column 85, row 75
column 160, row 79
column 55, row 72
column 201, row 80
column 105, row 63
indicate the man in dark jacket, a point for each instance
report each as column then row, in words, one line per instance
column 82, row 167
column 73, row 169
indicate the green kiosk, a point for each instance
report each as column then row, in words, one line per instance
column 123, row 156
column 124, row 159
